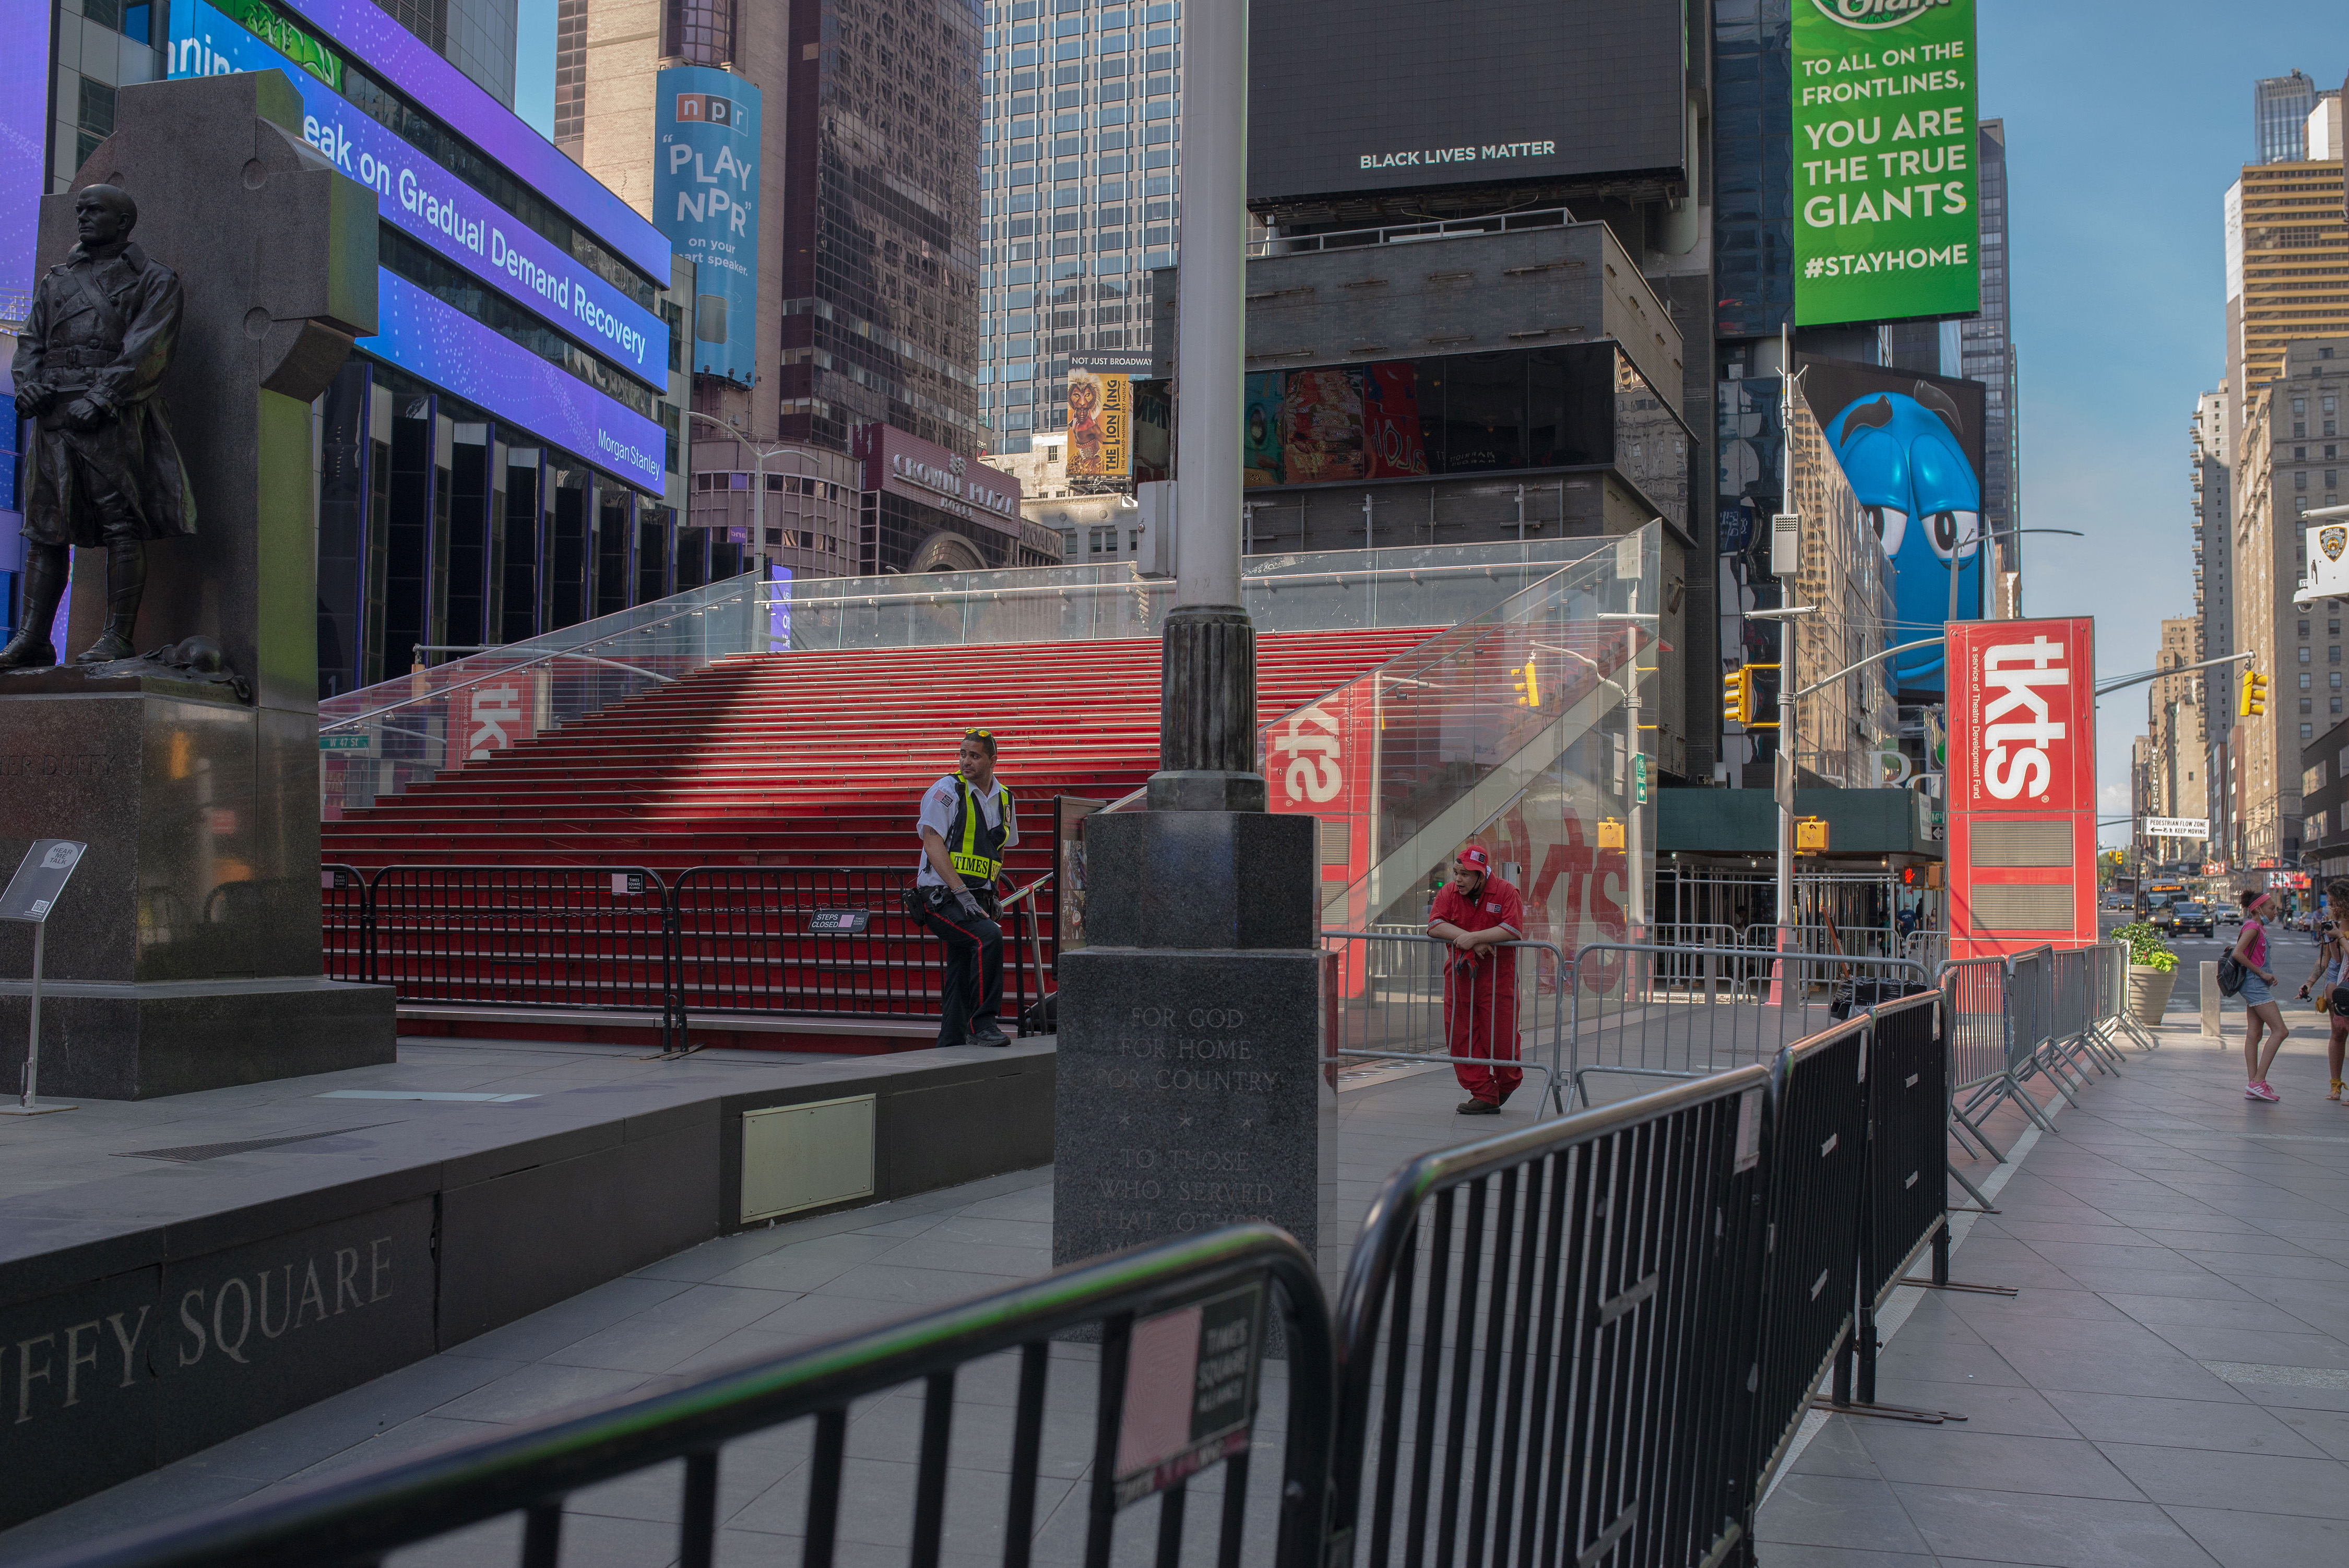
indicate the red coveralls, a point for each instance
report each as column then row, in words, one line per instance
column 1480, row 991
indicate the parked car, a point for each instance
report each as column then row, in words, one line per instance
column 2191, row 917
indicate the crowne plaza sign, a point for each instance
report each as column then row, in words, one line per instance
column 2021, row 785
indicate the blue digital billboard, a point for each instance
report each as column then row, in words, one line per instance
column 418, row 331
column 389, row 50
column 706, row 152
column 24, row 157
column 424, row 199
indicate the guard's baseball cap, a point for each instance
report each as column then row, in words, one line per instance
column 1474, row 855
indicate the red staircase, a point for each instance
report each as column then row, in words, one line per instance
column 819, row 759
column 755, row 767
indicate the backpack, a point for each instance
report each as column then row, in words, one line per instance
column 2231, row 971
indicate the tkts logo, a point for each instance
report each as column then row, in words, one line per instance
column 2018, row 684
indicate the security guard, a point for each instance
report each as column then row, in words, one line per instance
column 966, row 824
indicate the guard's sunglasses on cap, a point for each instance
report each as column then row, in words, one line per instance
column 979, row 734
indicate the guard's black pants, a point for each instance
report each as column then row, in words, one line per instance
column 974, row 983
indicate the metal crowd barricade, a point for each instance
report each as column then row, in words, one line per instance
column 1543, row 1339
column 526, row 936
column 1979, row 1019
column 346, row 924
column 1637, row 1010
column 1402, row 998
column 2113, row 1017
column 1818, row 1159
column 2031, row 1026
column 2072, row 978
column 1905, row 1209
column 1141, row 1304
column 817, row 940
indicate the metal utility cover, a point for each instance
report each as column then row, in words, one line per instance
column 798, row 1157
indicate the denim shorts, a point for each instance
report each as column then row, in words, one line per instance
column 2255, row 991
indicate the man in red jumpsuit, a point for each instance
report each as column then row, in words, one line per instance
column 1477, row 911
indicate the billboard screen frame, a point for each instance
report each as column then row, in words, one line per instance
column 1868, row 75
column 1370, row 103
column 705, row 199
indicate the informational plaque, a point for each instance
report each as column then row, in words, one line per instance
column 33, row 891
column 1190, row 1391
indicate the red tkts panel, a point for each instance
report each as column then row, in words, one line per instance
column 2022, row 786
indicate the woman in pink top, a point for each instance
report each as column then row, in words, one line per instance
column 2260, row 1009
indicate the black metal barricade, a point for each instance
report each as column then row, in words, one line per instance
column 1907, row 1196
column 1213, row 1294
column 1544, row 1340
column 803, row 939
column 525, row 937
column 1818, row 1160
column 346, row 924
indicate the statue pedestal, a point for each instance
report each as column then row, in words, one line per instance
column 185, row 955
column 1193, row 1090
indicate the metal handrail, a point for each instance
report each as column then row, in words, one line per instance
column 359, row 1517
column 1154, row 585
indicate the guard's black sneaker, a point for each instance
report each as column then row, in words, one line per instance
column 1479, row 1108
column 992, row 1037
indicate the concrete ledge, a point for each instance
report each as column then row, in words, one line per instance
column 139, row 1040
column 173, row 1274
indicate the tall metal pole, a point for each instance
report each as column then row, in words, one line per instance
column 1783, row 784
column 1206, row 734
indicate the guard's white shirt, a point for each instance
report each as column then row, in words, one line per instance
column 940, row 803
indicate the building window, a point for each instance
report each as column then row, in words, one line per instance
column 2304, row 628
column 2303, row 659
column 2308, row 732
column 2306, row 680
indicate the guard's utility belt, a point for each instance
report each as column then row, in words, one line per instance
column 978, row 866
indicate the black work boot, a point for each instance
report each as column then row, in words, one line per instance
column 47, row 567
column 126, row 585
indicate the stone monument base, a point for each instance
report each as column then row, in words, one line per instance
column 1194, row 1086
column 185, row 952
column 135, row 1041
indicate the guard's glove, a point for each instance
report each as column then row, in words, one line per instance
column 969, row 905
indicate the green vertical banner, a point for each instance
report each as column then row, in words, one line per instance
column 1885, row 225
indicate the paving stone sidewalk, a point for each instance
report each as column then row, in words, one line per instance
column 2170, row 1386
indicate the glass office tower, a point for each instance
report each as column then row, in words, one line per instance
column 2280, row 106
column 1077, row 188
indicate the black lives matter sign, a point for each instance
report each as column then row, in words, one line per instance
column 1353, row 96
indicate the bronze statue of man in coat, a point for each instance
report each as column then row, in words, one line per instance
column 103, row 470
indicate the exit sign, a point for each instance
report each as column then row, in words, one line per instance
column 1639, row 779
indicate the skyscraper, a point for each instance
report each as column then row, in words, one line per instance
column 1986, row 354
column 2280, row 106
column 477, row 36
column 1077, row 193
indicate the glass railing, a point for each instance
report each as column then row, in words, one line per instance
column 1521, row 729
column 1431, row 586
column 389, row 738
column 386, row 738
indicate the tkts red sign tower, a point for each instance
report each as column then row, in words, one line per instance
column 2021, row 785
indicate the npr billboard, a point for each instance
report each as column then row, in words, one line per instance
column 1349, row 98
column 2021, row 785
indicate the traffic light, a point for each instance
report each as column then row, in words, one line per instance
column 1810, row 835
column 1528, row 691
column 1737, row 698
column 2255, row 696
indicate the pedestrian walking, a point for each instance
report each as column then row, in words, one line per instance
column 1476, row 911
column 2260, row 1010
column 2328, row 984
column 966, row 824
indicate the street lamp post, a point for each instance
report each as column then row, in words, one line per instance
column 758, row 489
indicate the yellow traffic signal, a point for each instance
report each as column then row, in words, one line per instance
column 2255, row 695
column 1810, row 834
column 1610, row 832
column 1737, row 697
column 1528, row 691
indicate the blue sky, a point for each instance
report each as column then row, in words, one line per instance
column 534, row 65
column 2125, row 123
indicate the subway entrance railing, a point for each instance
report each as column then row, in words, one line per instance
column 1591, row 1341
